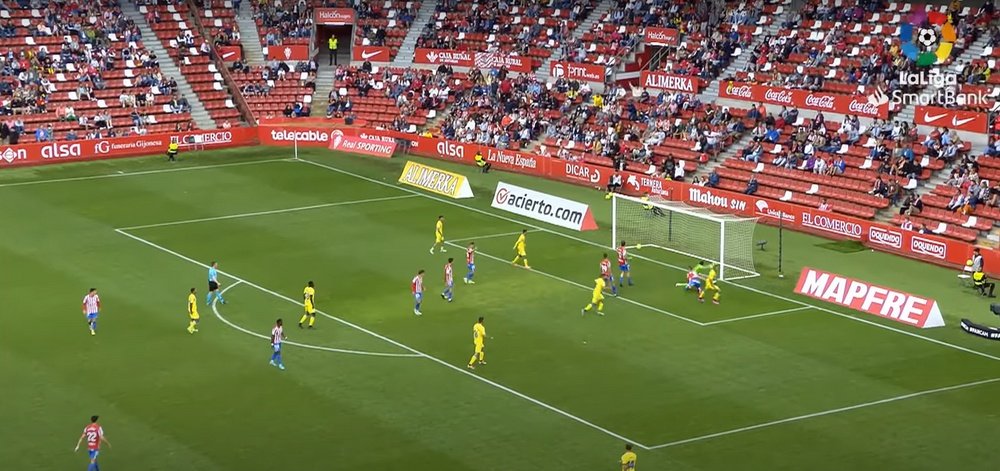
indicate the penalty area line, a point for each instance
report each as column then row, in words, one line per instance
column 757, row 316
column 825, row 413
column 487, row 236
column 585, row 287
column 462, row 370
column 219, row 315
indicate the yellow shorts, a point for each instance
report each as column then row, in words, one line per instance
column 479, row 348
column 310, row 309
column 522, row 253
column 194, row 316
column 711, row 286
column 597, row 298
column 438, row 239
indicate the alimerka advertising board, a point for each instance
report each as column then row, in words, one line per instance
column 805, row 99
column 113, row 147
column 888, row 303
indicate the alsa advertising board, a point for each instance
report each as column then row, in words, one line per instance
column 543, row 207
column 97, row 149
column 887, row 303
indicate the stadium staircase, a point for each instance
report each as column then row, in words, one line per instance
column 253, row 52
column 740, row 63
column 586, row 25
column 325, row 77
column 404, row 56
column 170, row 69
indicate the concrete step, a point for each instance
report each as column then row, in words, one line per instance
column 253, row 53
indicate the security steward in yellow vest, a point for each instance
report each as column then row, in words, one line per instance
column 172, row 151
column 332, row 46
column 482, row 163
column 983, row 285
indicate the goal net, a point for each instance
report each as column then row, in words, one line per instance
column 686, row 230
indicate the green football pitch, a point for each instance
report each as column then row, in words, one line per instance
column 767, row 380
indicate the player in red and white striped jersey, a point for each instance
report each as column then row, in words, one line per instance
column 449, row 281
column 607, row 275
column 94, row 434
column 623, row 265
column 91, row 308
column 417, row 288
column 277, row 336
column 470, row 263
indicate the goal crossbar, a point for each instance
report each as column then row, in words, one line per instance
column 698, row 233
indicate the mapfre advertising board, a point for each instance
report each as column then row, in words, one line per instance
column 887, row 303
column 543, row 207
column 805, row 99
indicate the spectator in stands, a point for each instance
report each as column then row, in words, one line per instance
column 907, row 224
column 879, row 188
column 614, row 183
column 752, row 185
column 824, row 205
column 713, row 179
column 838, row 167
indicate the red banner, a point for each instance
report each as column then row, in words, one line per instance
column 578, row 71
column 444, row 56
column 906, row 308
column 288, row 52
column 99, row 149
column 230, row 53
column 665, row 81
column 661, row 36
column 367, row 144
column 490, row 60
column 970, row 121
column 805, row 99
column 335, row 16
column 371, row 53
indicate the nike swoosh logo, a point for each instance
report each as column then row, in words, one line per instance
column 226, row 55
column 958, row 122
column 931, row 118
column 369, row 55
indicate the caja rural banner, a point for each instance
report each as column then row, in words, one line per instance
column 364, row 143
column 804, row 99
column 484, row 60
column 97, row 149
column 371, row 53
column 969, row 121
column 334, row 16
column 888, row 303
column 543, row 207
column 435, row 180
column 660, row 36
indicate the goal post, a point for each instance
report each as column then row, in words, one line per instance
column 686, row 230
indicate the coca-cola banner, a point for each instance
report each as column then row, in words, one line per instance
column 334, row 16
column 664, row 81
column 970, row 121
column 864, row 106
column 661, row 36
column 578, row 71
column 98, row 149
column 287, row 53
column 371, row 53
column 483, row 60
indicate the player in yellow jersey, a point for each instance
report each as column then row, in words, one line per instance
column 598, row 297
column 628, row 458
column 309, row 303
column 479, row 342
column 710, row 286
column 439, row 235
column 193, row 317
column 520, row 252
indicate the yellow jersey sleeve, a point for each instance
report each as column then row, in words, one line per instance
column 478, row 333
column 192, row 304
column 439, row 229
column 628, row 461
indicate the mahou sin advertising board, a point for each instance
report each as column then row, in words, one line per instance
column 860, row 105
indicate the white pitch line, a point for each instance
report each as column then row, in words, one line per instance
column 143, row 172
column 755, row 316
column 588, row 288
column 215, row 309
column 265, row 213
column 824, row 413
column 595, row 244
column 488, row 236
column 439, row 361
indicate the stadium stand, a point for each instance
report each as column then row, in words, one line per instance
column 279, row 24
column 172, row 23
column 534, row 29
column 80, row 70
column 396, row 98
column 380, row 24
